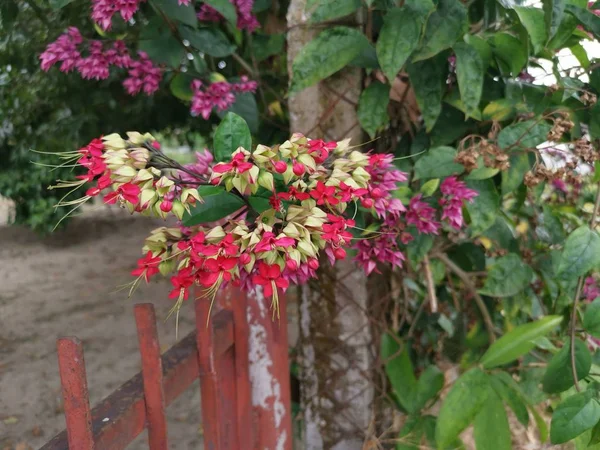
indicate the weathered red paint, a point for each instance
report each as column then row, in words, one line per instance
column 152, row 373
column 120, row 417
column 209, row 386
column 75, row 393
column 269, row 373
column 239, row 304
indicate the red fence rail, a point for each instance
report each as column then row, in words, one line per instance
column 242, row 362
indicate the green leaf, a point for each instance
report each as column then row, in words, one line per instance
column 507, row 388
column 465, row 399
column 518, row 341
column 244, row 106
column 267, row 45
column 259, row 204
column 581, row 252
column 469, row 72
column 595, row 435
column 181, row 86
column 430, row 383
column 231, row 133
column 438, row 162
column 211, row 41
column 428, row 80
column 9, row 10
column 513, row 177
column 482, row 47
column 511, row 52
column 559, row 373
column 500, row 110
column 164, row 49
column 214, row 208
column 418, row 248
column 372, row 107
column 554, row 11
column 444, row 27
column 591, row 318
column 180, row 13
column 225, row 8
column 207, row 191
column 586, row 18
column 523, row 135
column 58, row 4
column 550, row 228
column 595, row 121
column 429, row 188
column 508, row 276
column 574, row 416
column 484, row 208
column 491, row 430
column 329, row 52
column 564, row 32
column 540, row 422
column 398, row 38
column 399, row 370
column 533, row 21
column 323, row 10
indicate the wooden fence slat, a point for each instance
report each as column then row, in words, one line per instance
column 152, row 373
column 209, row 386
column 75, row 393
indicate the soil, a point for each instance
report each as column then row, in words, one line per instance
column 64, row 285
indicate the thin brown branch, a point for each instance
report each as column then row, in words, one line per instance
column 430, row 285
column 487, row 319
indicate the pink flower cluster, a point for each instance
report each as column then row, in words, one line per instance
column 245, row 19
column 219, row 95
column 104, row 10
column 143, row 75
column 455, row 193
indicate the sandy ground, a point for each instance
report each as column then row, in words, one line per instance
column 63, row 285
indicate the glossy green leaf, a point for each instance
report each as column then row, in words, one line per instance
column 581, row 253
column 329, row 52
column 559, row 373
column 259, row 204
column 185, row 14
column 508, row 276
column 399, row 370
column 510, row 51
column 428, row 83
column 591, row 318
column 573, row 416
column 523, row 135
column 429, row 188
column 564, row 32
column 323, row 10
column 163, row 49
column 225, row 8
column 482, row 47
column 512, row 178
column 267, row 45
column 398, row 38
column 214, row 208
column 211, row 41
column 550, row 228
column 507, row 388
column 430, row 383
column 483, row 210
column 533, row 21
column 245, row 106
column 554, row 11
column 518, row 341
column 372, row 107
column 232, row 132
column 586, row 18
column 501, row 109
column 464, row 401
column 181, row 86
column 491, row 430
column 444, row 27
column 438, row 162
column 469, row 72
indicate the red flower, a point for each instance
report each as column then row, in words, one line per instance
column 324, row 194
column 269, row 242
column 269, row 276
column 181, row 283
column 320, row 149
column 215, row 268
column 293, row 194
column 128, row 191
column 226, row 247
column 147, row 266
column 275, row 202
column 238, row 164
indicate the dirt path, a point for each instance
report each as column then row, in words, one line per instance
column 62, row 285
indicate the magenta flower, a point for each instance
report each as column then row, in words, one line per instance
column 422, row 216
column 455, row 193
column 95, row 66
column 381, row 249
column 104, row 10
column 143, row 75
column 63, row 50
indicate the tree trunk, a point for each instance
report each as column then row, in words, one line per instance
column 335, row 337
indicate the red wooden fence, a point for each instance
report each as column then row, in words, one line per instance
column 241, row 359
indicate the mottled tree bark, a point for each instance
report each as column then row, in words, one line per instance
column 335, row 336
